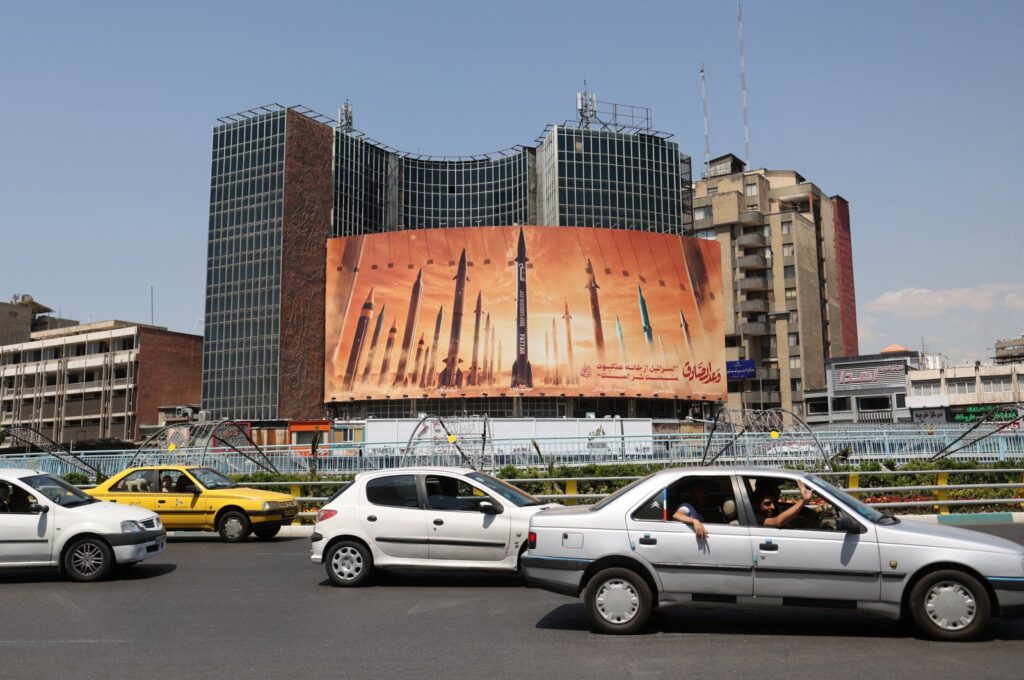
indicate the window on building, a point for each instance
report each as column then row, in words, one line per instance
column 702, row 213
column 961, row 386
column 794, row 339
column 787, row 227
column 927, row 388
column 874, row 403
column 789, row 271
column 841, row 404
column 796, row 384
column 712, row 191
column 794, row 317
column 794, row 362
column 817, row 407
column 995, row 384
column 798, row 408
column 791, row 293
column 750, row 190
column 901, row 400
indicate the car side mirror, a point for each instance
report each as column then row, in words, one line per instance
column 36, row 508
column 192, row 488
column 489, row 508
column 850, row 525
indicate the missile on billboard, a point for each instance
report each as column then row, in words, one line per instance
column 416, row 364
column 474, row 368
column 595, row 310
column 557, row 379
column 622, row 340
column 485, row 377
column 522, row 372
column 433, row 348
column 412, row 320
column 373, row 344
column 686, row 334
column 389, row 347
column 645, row 318
column 355, row 354
column 451, row 376
column 570, row 375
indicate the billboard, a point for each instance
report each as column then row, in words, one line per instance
column 531, row 311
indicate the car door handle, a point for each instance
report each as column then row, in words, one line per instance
column 647, row 540
column 161, row 501
column 371, row 518
column 438, row 522
column 770, row 547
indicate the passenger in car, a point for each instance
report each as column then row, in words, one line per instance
column 166, row 484
column 693, row 512
column 5, row 497
column 768, row 513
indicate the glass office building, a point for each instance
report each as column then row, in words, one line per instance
column 283, row 180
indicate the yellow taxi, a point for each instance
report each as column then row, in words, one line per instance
column 200, row 499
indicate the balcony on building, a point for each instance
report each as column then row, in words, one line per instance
column 752, row 306
column 755, row 283
column 753, row 262
column 755, row 328
column 751, row 240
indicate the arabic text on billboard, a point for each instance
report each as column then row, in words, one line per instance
column 741, row 370
column 535, row 311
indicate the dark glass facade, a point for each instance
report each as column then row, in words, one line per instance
column 243, row 275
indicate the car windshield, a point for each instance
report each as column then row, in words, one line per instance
column 608, row 499
column 505, row 490
column 865, row 511
column 211, row 479
column 59, row 491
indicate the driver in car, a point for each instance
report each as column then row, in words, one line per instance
column 769, row 513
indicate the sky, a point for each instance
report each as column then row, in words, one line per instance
column 910, row 110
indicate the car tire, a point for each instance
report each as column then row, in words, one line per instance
column 950, row 605
column 267, row 533
column 88, row 559
column 233, row 526
column 618, row 601
column 349, row 564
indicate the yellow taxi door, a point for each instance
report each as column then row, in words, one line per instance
column 138, row 488
column 177, row 505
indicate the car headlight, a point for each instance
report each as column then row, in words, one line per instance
column 271, row 505
column 130, row 527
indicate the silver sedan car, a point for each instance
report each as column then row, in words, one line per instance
column 766, row 537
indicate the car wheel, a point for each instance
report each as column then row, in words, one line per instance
column 266, row 533
column 950, row 605
column 88, row 559
column 349, row 563
column 618, row 601
column 233, row 526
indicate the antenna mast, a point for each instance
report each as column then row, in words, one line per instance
column 707, row 135
column 743, row 87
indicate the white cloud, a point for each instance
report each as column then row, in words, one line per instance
column 962, row 323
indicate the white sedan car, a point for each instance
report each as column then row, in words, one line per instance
column 432, row 518
column 46, row 522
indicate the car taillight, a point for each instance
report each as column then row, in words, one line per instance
column 531, row 540
column 325, row 514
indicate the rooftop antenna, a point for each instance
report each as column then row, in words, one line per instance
column 586, row 106
column 345, row 117
column 743, row 87
column 707, row 134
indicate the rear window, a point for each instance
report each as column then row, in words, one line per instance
column 621, row 492
column 394, row 490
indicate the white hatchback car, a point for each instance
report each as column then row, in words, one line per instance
column 430, row 518
column 46, row 522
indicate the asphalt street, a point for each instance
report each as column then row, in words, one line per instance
column 205, row 609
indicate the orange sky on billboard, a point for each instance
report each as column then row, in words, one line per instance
column 537, row 311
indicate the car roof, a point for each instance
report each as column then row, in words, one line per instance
column 752, row 471
column 169, row 466
column 422, row 469
column 19, row 473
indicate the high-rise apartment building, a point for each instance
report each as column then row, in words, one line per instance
column 285, row 179
column 791, row 303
